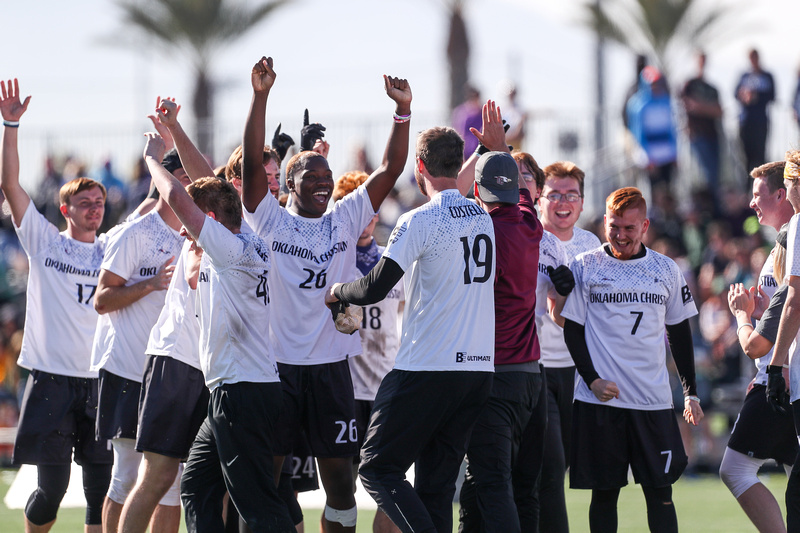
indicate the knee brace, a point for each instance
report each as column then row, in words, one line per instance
column 125, row 471
column 738, row 471
column 347, row 518
column 96, row 479
column 173, row 496
column 42, row 506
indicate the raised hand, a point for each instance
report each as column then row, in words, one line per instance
column 398, row 90
column 167, row 112
column 10, row 106
column 262, row 76
column 493, row 134
column 154, row 147
column 281, row 142
column 311, row 135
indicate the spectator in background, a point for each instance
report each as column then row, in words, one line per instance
column 45, row 197
column 514, row 115
column 796, row 101
column 116, row 200
column 651, row 124
column 703, row 112
column 466, row 116
column 755, row 90
column 641, row 62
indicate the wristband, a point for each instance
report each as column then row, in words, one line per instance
column 11, row 123
column 740, row 328
column 785, row 366
column 692, row 398
column 399, row 119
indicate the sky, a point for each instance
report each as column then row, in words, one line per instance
column 93, row 81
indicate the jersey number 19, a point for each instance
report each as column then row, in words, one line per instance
column 482, row 261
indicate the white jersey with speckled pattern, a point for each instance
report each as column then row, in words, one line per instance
column 446, row 249
column 625, row 306
column 551, row 254
column 793, row 269
column 380, row 340
column 136, row 253
column 233, row 305
column 176, row 333
column 59, row 316
column 551, row 335
column 308, row 256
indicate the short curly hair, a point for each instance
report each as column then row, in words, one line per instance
column 347, row 183
column 219, row 196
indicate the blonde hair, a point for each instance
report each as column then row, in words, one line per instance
column 565, row 169
column 73, row 187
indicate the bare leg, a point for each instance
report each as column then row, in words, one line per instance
column 111, row 513
column 382, row 524
column 33, row 528
column 166, row 519
column 762, row 509
column 157, row 477
column 337, row 479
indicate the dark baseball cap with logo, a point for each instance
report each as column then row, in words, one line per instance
column 497, row 177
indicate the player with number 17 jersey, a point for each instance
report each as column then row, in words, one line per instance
column 638, row 296
column 308, row 255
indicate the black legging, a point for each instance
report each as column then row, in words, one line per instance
column 43, row 504
column 661, row 516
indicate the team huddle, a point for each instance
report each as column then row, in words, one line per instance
column 189, row 354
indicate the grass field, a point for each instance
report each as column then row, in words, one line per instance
column 703, row 504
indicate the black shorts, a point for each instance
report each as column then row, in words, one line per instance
column 173, row 404
column 606, row 440
column 319, row 400
column 762, row 433
column 117, row 407
column 302, row 466
column 363, row 412
column 58, row 415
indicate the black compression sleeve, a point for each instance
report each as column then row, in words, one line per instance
column 575, row 337
column 680, row 343
column 374, row 286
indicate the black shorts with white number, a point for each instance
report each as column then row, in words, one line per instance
column 58, row 415
column 118, row 407
column 318, row 399
column 173, row 404
column 301, row 466
column 606, row 440
column 762, row 433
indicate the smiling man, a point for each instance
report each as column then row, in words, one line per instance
column 60, row 402
column 625, row 297
column 311, row 249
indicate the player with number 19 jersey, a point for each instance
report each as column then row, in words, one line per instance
column 308, row 255
column 638, row 296
column 61, row 283
column 445, row 324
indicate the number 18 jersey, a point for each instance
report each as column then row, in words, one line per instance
column 625, row 306
column 446, row 249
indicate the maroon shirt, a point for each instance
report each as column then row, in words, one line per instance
column 517, row 234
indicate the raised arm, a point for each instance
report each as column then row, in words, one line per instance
column 194, row 163
column 12, row 109
column 492, row 136
column 191, row 216
column 381, row 182
column 255, row 184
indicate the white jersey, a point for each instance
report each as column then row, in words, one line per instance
column 233, row 302
column 551, row 336
column 135, row 254
column 625, row 306
column 380, row 340
column 177, row 331
column 767, row 282
column 446, row 249
column 309, row 255
column 59, row 316
column 793, row 269
column 551, row 254
column 102, row 332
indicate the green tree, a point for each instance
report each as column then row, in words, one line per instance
column 199, row 29
column 664, row 30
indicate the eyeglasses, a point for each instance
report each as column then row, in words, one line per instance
column 556, row 197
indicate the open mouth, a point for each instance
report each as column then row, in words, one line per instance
column 563, row 214
column 321, row 196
